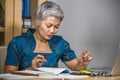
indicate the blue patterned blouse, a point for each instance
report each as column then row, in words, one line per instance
column 20, row 51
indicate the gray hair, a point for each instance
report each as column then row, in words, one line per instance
column 48, row 8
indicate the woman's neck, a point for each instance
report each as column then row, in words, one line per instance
column 38, row 38
column 42, row 45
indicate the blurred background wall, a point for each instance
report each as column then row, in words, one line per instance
column 93, row 25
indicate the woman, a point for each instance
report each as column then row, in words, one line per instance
column 40, row 47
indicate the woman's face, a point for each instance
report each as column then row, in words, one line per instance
column 48, row 27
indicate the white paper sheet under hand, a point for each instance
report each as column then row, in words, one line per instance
column 53, row 70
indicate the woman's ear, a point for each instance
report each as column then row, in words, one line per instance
column 36, row 22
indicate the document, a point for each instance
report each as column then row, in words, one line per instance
column 55, row 71
column 43, row 73
column 32, row 73
column 27, row 72
column 56, row 77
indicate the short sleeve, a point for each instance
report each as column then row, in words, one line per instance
column 68, row 53
column 12, row 57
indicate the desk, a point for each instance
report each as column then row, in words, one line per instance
column 85, row 78
column 90, row 78
column 102, row 78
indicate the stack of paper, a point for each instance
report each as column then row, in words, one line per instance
column 41, row 73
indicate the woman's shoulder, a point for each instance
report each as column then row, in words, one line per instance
column 21, row 39
column 16, row 40
column 18, row 37
column 26, row 37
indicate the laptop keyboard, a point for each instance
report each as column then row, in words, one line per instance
column 104, row 71
column 101, row 73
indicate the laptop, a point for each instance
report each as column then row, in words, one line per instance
column 114, row 71
column 104, row 71
column 116, row 68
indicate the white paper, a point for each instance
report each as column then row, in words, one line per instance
column 59, row 76
column 30, row 72
column 64, row 76
column 69, row 76
column 55, row 71
column 14, row 77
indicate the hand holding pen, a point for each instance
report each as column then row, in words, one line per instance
column 85, row 58
column 38, row 61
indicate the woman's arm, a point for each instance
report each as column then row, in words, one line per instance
column 80, row 64
column 10, row 68
column 74, row 65
column 36, row 62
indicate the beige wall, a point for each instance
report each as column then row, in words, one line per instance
column 3, row 51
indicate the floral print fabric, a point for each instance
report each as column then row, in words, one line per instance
column 20, row 51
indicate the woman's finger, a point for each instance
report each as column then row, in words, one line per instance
column 40, row 57
column 86, row 56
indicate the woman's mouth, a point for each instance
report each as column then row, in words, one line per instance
column 50, row 36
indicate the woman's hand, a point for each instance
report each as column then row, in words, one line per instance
column 80, row 64
column 85, row 58
column 38, row 61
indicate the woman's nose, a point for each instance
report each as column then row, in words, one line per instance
column 52, row 30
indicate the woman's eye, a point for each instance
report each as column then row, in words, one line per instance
column 56, row 27
column 48, row 26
